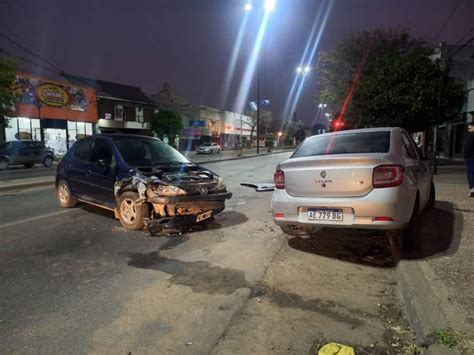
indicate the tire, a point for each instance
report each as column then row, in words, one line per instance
column 130, row 214
column 65, row 197
column 28, row 165
column 409, row 238
column 4, row 164
column 432, row 198
column 218, row 151
column 48, row 161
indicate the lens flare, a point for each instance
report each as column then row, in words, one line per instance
column 233, row 59
column 251, row 66
column 312, row 54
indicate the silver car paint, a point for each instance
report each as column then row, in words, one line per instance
column 348, row 185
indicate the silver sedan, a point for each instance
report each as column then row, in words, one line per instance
column 369, row 179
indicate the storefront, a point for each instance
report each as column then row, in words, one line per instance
column 54, row 112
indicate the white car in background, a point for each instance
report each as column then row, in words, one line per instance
column 208, row 148
column 369, row 179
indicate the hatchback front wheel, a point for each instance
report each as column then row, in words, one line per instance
column 131, row 214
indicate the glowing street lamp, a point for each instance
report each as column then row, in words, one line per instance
column 248, row 6
column 269, row 5
column 322, row 105
column 303, row 70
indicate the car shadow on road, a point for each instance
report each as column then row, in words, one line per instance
column 223, row 220
column 370, row 248
column 440, row 233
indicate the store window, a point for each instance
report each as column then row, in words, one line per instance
column 78, row 130
column 12, row 130
column 23, row 128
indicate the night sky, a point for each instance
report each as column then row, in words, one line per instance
column 189, row 42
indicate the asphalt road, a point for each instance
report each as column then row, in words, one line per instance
column 75, row 281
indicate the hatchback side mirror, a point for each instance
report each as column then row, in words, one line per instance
column 104, row 163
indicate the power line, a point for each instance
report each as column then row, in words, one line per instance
column 449, row 18
column 32, row 53
column 28, row 61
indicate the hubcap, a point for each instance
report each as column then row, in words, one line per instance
column 3, row 164
column 128, row 210
column 48, row 161
column 63, row 193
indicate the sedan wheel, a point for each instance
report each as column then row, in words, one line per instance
column 4, row 164
column 130, row 213
column 65, row 196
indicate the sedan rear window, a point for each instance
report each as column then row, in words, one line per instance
column 350, row 143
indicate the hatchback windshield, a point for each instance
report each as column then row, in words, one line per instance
column 350, row 143
column 147, row 151
column 206, row 144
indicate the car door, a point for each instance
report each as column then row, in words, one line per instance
column 424, row 172
column 102, row 172
column 23, row 153
column 76, row 169
column 416, row 168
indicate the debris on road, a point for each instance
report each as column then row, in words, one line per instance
column 259, row 186
column 336, row 349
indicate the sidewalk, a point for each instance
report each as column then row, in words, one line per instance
column 24, row 183
column 438, row 287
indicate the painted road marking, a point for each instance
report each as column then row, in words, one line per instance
column 31, row 219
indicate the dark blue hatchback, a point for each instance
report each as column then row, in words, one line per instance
column 144, row 181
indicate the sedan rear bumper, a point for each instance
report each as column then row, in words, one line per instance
column 393, row 204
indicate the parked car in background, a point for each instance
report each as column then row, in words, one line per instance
column 209, row 148
column 146, row 182
column 369, row 179
column 27, row 153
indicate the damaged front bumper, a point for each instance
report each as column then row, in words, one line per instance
column 211, row 205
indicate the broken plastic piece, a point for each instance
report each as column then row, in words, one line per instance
column 336, row 349
column 259, row 186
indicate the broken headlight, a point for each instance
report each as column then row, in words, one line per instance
column 168, row 190
column 220, row 184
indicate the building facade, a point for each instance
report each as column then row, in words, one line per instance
column 203, row 123
column 460, row 61
column 51, row 111
column 120, row 108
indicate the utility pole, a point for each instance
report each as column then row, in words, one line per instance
column 258, row 89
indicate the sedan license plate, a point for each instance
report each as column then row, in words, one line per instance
column 203, row 216
column 320, row 214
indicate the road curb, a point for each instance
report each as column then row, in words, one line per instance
column 26, row 185
column 422, row 307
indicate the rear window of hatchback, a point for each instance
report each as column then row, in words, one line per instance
column 349, row 143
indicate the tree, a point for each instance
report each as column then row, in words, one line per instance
column 385, row 78
column 7, row 97
column 266, row 119
column 167, row 123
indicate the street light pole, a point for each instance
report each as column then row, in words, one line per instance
column 258, row 89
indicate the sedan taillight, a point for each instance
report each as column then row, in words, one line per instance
column 388, row 176
column 279, row 178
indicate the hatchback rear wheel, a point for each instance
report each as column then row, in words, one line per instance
column 65, row 197
column 131, row 214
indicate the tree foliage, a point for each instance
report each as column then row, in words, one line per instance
column 385, row 78
column 7, row 97
column 266, row 120
column 167, row 123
